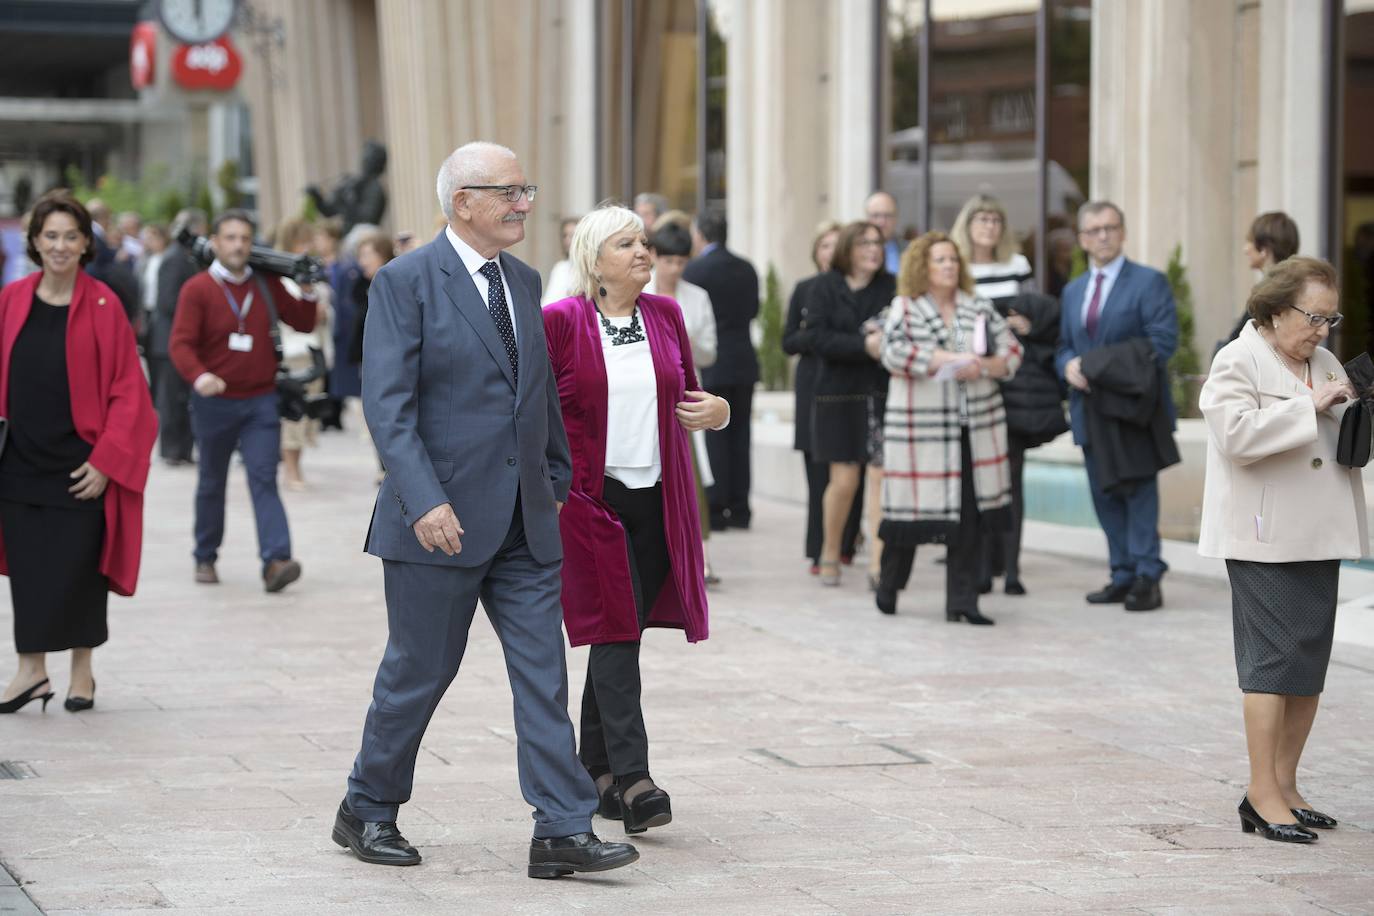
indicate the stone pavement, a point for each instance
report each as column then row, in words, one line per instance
column 822, row 758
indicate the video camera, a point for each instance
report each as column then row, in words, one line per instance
column 302, row 268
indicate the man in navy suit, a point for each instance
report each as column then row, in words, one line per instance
column 1117, row 300
column 464, row 411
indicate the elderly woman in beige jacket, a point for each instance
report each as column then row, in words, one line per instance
column 1283, row 514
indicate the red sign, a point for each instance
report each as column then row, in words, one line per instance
column 143, row 55
column 215, row 65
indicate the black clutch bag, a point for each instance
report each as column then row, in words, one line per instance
column 1357, row 429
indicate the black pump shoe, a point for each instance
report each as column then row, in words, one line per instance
column 1250, row 821
column 972, row 617
column 26, row 697
column 1309, row 818
column 649, row 809
column 610, row 807
column 80, row 704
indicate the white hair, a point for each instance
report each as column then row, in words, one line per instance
column 591, row 233
column 349, row 246
column 468, row 164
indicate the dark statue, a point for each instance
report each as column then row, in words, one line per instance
column 357, row 198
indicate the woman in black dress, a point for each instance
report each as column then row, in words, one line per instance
column 846, row 333
column 81, row 429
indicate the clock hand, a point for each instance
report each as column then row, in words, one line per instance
column 200, row 17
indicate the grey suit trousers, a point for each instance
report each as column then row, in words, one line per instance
column 429, row 612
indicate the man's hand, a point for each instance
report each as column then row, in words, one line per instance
column 1073, row 373
column 90, row 482
column 439, row 528
column 209, row 385
column 702, row 411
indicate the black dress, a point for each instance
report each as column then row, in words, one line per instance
column 851, row 386
column 52, row 539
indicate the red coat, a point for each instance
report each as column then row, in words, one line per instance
column 598, row 595
column 111, row 409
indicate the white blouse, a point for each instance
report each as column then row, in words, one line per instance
column 632, row 455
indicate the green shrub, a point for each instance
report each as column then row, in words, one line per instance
column 773, row 364
column 1184, row 366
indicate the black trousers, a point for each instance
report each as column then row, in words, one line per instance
column 728, row 450
column 963, row 557
column 613, row 736
column 172, row 395
column 817, row 479
column 1002, row 549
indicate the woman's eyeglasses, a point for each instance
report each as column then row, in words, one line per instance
column 1317, row 321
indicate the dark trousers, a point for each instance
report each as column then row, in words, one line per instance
column 252, row 426
column 1131, row 522
column 613, row 736
column 963, row 553
column 429, row 611
column 1001, row 550
column 728, row 450
column 817, row 479
column 172, row 396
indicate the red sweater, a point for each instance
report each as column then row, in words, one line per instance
column 204, row 321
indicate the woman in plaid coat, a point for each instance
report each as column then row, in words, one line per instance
column 945, row 431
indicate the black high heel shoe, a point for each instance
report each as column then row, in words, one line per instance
column 1309, row 818
column 610, row 807
column 972, row 617
column 26, row 697
column 648, row 809
column 1250, row 821
column 80, row 704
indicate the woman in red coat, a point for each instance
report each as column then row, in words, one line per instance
column 631, row 530
column 80, row 431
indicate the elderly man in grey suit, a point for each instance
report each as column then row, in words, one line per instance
column 464, row 410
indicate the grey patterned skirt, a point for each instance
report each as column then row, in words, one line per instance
column 1283, row 618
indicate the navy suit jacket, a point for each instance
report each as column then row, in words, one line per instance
column 1139, row 305
column 446, row 416
column 733, row 286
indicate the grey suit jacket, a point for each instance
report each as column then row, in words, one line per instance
column 448, row 422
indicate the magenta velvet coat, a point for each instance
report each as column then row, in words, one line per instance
column 598, row 597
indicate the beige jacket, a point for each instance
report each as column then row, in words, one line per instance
column 1274, row 492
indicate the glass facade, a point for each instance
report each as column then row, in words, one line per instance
column 649, row 96
column 1355, row 184
column 1001, row 89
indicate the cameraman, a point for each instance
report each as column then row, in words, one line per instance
column 222, row 344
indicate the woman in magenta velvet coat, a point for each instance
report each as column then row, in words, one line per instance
column 631, row 531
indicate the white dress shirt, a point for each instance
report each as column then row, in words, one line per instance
column 1110, row 271
column 560, row 283
column 474, row 263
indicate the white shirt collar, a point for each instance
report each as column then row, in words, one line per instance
column 1112, row 268
column 219, row 270
column 473, row 261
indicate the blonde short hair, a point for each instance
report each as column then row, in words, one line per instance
column 959, row 234
column 591, row 233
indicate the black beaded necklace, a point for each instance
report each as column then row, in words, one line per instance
column 630, row 334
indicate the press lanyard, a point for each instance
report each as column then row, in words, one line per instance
column 240, row 312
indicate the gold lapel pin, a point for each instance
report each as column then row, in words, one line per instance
column 1330, row 376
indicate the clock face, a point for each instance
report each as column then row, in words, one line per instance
column 196, row 22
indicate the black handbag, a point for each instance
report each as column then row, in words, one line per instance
column 1357, row 429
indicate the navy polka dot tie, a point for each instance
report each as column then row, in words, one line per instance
column 496, row 304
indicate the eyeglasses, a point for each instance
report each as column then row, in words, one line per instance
column 511, row 192
column 1101, row 231
column 868, row 243
column 991, row 219
column 1317, row 321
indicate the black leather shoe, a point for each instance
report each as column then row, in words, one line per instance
column 80, row 704
column 985, row 587
column 610, row 807
column 554, row 857
column 1144, row 595
column 649, row 809
column 972, row 617
column 1309, row 818
column 886, row 600
column 1014, row 587
column 1110, row 594
column 377, row 842
column 1250, row 821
